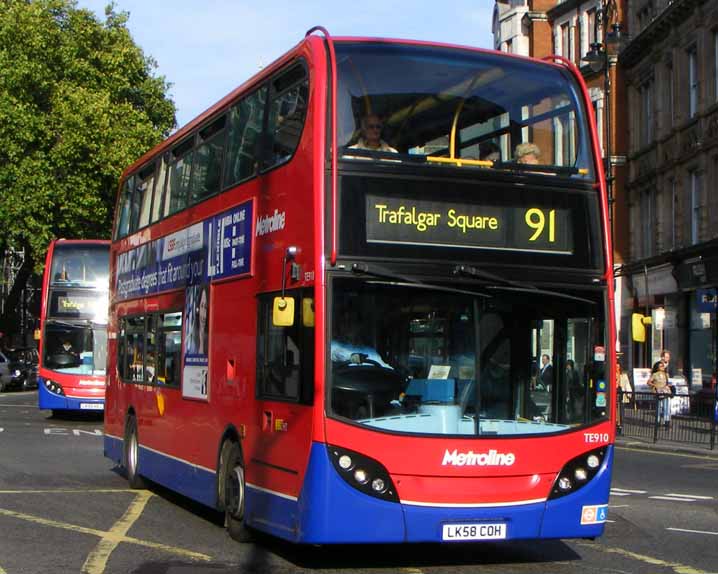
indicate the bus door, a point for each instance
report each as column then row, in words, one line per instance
column 285, row 384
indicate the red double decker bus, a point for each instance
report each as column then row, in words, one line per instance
column 367, row 298
column 73, row 326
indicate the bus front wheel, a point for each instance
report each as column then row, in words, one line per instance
column 131, row 454
column 232, row 492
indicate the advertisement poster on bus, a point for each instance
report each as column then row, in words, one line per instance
column 196, row 341
column 217, row 248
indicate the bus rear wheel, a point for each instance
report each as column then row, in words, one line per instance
column 232, row 492
column 131, row 454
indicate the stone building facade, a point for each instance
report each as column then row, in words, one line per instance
column 671, row 72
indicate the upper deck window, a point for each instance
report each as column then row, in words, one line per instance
column 287, row 111
column 436, row 104
column 76, row 265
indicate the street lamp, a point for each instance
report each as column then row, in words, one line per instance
column 597, row 58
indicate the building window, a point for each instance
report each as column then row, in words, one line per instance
column 672, row 211
column 670, row 95
column 591, row 27
column 565, row 41
column 647, row 119
column 648, row 223
column 696, row 184
column 692, row 82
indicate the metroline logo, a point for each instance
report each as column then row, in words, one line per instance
column 471, row 458
column 270, row 223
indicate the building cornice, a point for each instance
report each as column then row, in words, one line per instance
column 563, row 8
column 674, row 14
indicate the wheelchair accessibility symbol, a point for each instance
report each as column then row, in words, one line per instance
column 594, row 514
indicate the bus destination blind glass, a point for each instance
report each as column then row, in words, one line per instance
column 465, row 225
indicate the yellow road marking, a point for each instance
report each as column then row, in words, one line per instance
column 67, row 490
column 97, row 559
column 105, row 535
column 675, row 566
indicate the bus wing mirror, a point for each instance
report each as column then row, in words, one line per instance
column 308, row 312
column 638, row 327
column 283, row 312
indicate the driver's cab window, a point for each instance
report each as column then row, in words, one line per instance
column 285, row 354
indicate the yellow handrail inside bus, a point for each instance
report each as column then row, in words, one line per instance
column 454, row 123
column 460, row 161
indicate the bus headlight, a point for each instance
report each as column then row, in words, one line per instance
column 54, row 387
column 363, row 473
column 577, row 473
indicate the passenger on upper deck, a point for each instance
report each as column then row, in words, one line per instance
column 527, row 152
column 370, row 138
column 489, row 151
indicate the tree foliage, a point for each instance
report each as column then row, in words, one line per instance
column 79, row 101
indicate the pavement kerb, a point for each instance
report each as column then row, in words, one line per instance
column 628, row 442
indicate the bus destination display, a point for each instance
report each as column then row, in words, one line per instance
column 537, row 229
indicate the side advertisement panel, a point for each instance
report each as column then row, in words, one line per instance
column 217, row 248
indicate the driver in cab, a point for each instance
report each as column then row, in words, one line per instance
column 348, row 345
column 67, row 349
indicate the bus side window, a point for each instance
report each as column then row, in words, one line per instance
column 169, row 348
column 287, row 112
column 285, row 355
column 123, row 221
column 207, row 168
column 179, row 173
column 131, row 349
column 145, row 186
column 245, row 127
column 158, row 194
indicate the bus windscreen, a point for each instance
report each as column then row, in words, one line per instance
column 443, row 105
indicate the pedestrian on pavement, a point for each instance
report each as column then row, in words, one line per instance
column 666, row 358
column 659, row 383
column 624, row 391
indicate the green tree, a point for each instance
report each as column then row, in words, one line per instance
column 79, row 101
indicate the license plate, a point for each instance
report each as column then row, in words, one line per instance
column 92, row 406
column 483, row 531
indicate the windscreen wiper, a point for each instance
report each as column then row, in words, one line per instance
column 384, row 273
column 472, row 271
column 510, row 285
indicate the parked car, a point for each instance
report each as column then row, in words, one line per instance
column 18, row 369
column 11, row 375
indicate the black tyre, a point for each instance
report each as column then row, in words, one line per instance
column 232, row 492
column 131, row 454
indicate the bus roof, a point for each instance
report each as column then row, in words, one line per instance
column 313, row 41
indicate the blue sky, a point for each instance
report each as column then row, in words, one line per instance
column 205, row 48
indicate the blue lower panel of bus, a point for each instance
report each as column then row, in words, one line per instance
column 181, row 476
column 330, row 511
column 49, row 400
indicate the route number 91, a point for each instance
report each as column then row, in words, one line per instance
column 536, row 219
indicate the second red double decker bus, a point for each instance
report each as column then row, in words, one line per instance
column 367, row 298
column 73, row 326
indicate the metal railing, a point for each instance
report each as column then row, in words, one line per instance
column 689, row 419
